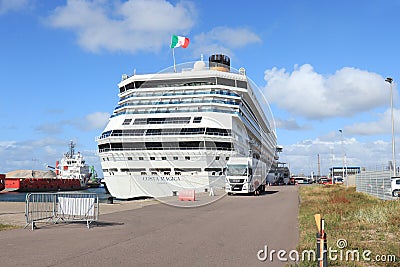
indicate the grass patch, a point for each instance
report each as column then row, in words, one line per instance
column 365, row 222
column 4, row 227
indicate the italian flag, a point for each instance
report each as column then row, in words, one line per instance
column 179, row 41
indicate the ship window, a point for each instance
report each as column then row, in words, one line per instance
column 134, row 132
column 227, row 158
column 187, row 158
column 143, row 173
column 190, row 144
column 152, row 158
column 192, row 131
column 130, row 86
column 188, row 170
column 217, row 131
column 160, row 169
column 175, row 158
column 217, row 158
column 212, row 169
column 197, row 119
column 105, row 134
column 129, row 158
column 127, row 122
column 113, row 170
column 140, row 121
column 163, row 158
column 241, row 84
column 224, row 81
column 153, row 173
column 141, row 158
column 105, row 170
column 116, row 145
column 133, row 170
column 153, row 132
column 153, row 145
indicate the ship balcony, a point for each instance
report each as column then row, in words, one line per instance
column 190, row 111
column 175, row 94
column 164, row 133
column 176, row 103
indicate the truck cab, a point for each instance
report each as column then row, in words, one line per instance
column 244, row 175
column 395, row 183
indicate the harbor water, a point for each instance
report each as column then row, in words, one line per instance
column 21, row 196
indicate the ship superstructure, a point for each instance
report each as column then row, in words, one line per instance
column 177, row 129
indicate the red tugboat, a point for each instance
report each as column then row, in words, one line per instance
column 71, row 173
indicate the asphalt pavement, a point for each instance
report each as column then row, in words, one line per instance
column 231, row 231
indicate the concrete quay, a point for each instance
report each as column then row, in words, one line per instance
column 226, row 232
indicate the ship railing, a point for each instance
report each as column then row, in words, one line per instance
column 165, row 148
column 175, row 102
column 162, row 133
column 216, row 92
column 61, row 207
column 152, row 111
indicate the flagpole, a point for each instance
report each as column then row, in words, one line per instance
column 173, row 55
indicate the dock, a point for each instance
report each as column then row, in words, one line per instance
column 227, row 232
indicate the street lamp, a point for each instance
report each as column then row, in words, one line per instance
column 344, row 160
column 390, row 80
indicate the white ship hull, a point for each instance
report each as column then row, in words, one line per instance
column 133, row 186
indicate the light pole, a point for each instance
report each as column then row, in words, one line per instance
column 390, row 80
column 344, row 159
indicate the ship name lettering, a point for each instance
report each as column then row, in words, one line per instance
column 161, row 178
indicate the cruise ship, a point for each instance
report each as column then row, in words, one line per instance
column 177, row 129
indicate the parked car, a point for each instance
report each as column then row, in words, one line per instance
column 396, row 186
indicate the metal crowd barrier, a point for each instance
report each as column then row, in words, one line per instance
column 375, row 183
column 61, row 207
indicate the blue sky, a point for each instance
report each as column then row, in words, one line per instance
column 320, row 64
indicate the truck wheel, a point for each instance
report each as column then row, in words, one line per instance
column 395, row 193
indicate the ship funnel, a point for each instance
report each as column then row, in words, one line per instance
column 219, row 62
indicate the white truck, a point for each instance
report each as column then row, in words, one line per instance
column 245, row 175
column 395, row 183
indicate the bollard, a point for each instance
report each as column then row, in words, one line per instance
column 322, row 244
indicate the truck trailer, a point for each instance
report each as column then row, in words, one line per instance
column 245, row 175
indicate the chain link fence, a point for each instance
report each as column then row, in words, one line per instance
column 375, row 183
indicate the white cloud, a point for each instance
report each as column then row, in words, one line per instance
column 12, row 5
column 290, row 124
column 223, row 40
column 49, row 128
column 94, row 121
column 233, row 38
column 143, row 25
column 302, row 157
column 312, row 95
column 381, row 126
column 131, row 26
